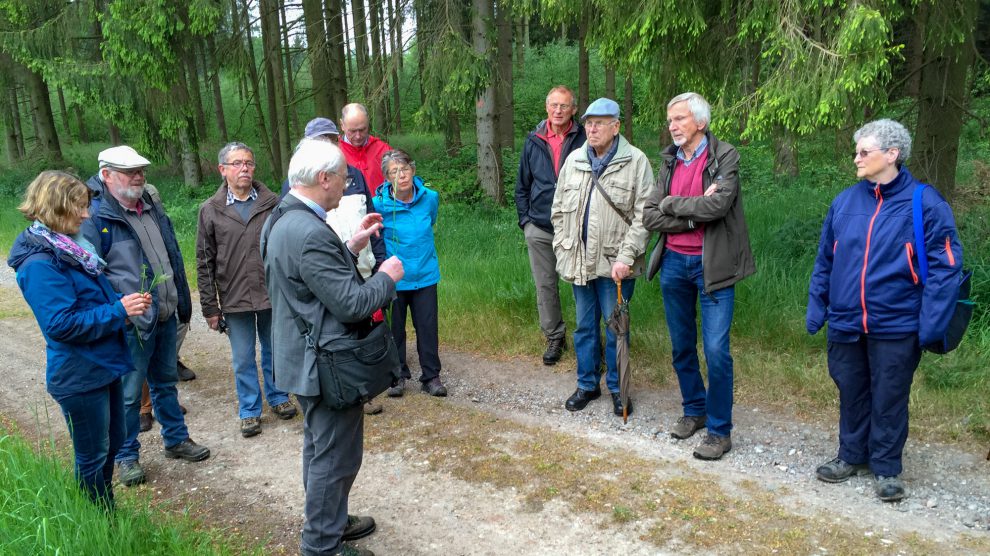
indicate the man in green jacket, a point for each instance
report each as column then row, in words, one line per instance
column 702, row 252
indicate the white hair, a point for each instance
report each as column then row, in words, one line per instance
column 699, row 107
column 311, row 157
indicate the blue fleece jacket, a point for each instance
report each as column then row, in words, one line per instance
column 866, row 280
column 79, row 315
column 408, row 232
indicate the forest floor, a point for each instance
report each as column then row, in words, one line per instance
column 500, row 468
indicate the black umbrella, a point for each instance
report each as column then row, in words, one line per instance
column 618, row 323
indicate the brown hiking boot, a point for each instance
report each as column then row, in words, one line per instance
column 713, row 446
column 688, row 425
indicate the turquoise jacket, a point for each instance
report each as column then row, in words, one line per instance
column 408, row 232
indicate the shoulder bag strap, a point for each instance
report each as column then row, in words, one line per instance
column 918, row 218
column 601, row 191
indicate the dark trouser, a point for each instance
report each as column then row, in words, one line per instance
column 96, row 425
column 423, row 305
column 874, row 380
column 333, row 443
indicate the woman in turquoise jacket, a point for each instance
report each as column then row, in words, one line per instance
column 409, row 212
column 83, row 321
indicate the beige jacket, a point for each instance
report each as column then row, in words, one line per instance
column 628, row 180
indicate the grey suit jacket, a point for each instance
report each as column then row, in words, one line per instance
column 309, row 269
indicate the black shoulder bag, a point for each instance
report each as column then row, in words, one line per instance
column 351, row 371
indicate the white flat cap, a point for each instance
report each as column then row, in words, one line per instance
column 122, row 157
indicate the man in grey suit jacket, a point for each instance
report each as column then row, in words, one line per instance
column 310, row 272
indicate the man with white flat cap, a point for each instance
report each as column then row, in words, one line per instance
column 135, row 237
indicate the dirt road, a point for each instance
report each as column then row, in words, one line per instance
column 499, row 468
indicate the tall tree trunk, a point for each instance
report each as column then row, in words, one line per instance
column 377, row 93
column 192, row 173
column 361, row 45
column 41, row 104
column 942, row 98
column 15, row 111
column 319, row 64
column 423, row 10
column 64, row 114
column 210, row 54
column 255, row 94
column 80, row 123
column 610, row 83
column 584, row 93
column 489, row 161
column 292, row 115
column 627, row 109
column 396, row 38
column 452, row 142
column 785, row 153
column 520, row 46
column 192, row 82
column 114, row 132
column 10, row 130
column 916, row 50
column 503, row 80
column 347, row 40
column 274, row 81
column 337, row 56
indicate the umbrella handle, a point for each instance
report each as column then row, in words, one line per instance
column 618, row 292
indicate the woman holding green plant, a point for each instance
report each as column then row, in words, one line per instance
column 83, row 321
column 409, row 212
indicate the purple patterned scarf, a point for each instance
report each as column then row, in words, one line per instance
column 64, row 244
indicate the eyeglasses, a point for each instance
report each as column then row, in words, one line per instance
column 559, row 106
column 249, row 164
column 597, row 124
column 400, row 171
column 863, row 153
column 131, row 172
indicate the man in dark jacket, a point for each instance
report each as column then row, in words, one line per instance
column 231, row 278
column 134, row 236
column 543, row 154
column 704, row 250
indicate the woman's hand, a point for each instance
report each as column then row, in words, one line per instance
column 135, row 304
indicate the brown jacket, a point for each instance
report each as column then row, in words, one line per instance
column 726, row 256
column 229, row 268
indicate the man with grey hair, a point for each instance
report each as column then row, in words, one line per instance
column 311, row 276
column 544, row 153
column 362, row 150
column 231, row 279
column 132, row 233
column 702, row 252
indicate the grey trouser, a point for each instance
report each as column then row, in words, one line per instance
column 333, row 442
column 543, row 263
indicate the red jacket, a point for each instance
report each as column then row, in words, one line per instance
column 368, row 159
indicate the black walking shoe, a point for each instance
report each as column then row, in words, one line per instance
column 617, row 405
column 434, row 387
column 185, row 373
column 580, row 399
column 358, row 527
column 555, row 349
column 890, row 489
column 187, row 450
column 837, row 471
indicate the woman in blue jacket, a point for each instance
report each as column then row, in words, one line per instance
column 880, row 313
column 82, row 319
column 409, row 212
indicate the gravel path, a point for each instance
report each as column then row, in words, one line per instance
column 252, row 486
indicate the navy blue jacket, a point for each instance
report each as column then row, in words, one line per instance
column 78, row 313
column 115, row 241
column 358, row 187
column 865, row 279
column 537, row 178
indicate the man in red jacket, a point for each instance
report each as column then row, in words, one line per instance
column 361, row 149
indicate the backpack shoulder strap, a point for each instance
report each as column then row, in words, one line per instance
column 918, row 220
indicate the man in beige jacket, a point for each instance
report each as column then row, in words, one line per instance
column 599, row 240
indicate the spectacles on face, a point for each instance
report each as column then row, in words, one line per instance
column 400, row 171
column 863, row 153
column 249, row 164
column 131, row 172
column 597, row 124
column 559, row 106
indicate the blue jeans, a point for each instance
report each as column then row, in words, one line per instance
column 154, row 361
column 593, row 304
column 243, row 329
column 682, row 283
column 96, row 425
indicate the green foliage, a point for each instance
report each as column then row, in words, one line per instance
column 43, row 511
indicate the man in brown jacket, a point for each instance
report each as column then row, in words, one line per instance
column 702, row 252
column 231, row 278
